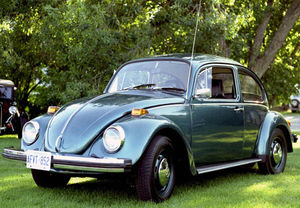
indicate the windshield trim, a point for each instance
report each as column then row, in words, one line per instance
column 152, row 59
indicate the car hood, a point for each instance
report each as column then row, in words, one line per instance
column 77, row 124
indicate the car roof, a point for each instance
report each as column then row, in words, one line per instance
column 6, row 82
column 197, row 61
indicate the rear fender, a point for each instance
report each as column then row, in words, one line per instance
column 272, row 120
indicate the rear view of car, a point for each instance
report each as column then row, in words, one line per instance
column 295, row 103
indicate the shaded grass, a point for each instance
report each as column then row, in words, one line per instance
column 236, row 187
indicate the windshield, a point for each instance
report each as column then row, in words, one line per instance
column 6, row 92
column 152, row 74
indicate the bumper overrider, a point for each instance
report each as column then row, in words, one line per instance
column 295, row 138
column 76, row 163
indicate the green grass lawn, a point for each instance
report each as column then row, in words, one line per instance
column 230, row 188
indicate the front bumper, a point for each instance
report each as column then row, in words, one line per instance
column 76, row 163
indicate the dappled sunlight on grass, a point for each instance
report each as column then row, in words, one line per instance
column 18, row 177
column 76, row 180
column 259, row 186
column 9, row 136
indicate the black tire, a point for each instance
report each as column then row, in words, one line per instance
column 294, row 111
column 277, row 154
column 49, row 180
column 158, row 158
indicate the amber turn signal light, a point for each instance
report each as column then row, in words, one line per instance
column 52, row 109
column 138, row 112
column 289, row 122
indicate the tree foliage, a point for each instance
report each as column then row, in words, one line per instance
column 57, row 51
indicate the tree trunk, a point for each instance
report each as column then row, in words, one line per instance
column 260, row 35
column 262, row 63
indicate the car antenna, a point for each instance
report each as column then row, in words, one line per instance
column 194, row 41
column 196, row 27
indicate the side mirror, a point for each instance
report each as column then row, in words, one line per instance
column 203, row 93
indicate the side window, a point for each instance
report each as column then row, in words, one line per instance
column 251, row 90
column 215, row 83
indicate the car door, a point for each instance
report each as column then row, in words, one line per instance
column 217, row 115
column 254, row 102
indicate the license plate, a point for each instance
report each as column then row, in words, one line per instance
column 38, row 160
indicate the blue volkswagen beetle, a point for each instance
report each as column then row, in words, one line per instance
column 159, row 118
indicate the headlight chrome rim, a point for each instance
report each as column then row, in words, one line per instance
column 121, row 139
column 29, row 139
column 13, row 110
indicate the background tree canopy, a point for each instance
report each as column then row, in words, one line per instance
column 57, row 51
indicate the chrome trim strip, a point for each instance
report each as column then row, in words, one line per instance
column 189, row 79
column 61, row 158
column 221, row 103
column 90, row 169
column 207, row 169
column 168, row 105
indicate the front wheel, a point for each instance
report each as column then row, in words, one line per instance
column 156, row 172
column 49, row 180
column 277, row 154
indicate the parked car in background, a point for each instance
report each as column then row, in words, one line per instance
column 159, row 118
column 295, row 103
column 11, row 120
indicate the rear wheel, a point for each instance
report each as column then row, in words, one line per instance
column 48, row 179
column 156, row 172
column 277, row 154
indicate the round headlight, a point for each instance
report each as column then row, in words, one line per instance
column 113, row 138
column 30, row 132
column 13, row 110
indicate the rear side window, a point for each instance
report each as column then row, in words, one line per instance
column 250, row 88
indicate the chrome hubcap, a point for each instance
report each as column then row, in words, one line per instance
column 276, row 152
column 163, row 172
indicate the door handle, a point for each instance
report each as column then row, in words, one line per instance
column 238, row 109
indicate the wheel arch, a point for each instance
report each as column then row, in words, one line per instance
column 146, row 129
column 286, row 136
column 272, row 121
column 183, row 155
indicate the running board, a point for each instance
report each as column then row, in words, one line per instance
column 211, row 168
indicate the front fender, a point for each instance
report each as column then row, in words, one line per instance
column 139, row 131
column 43, row 121
column 272, row 120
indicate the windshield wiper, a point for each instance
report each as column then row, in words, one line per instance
column 170, row 88
column 139, row 86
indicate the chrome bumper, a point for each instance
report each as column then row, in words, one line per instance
column 77, row 163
